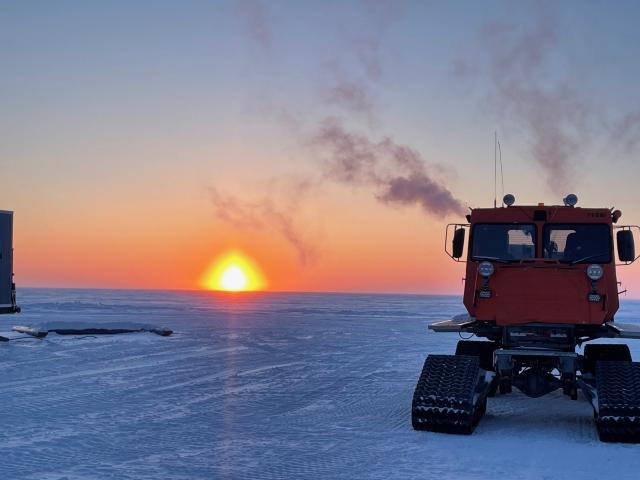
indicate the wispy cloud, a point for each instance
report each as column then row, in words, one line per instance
column 275, row 211
column 257, row 20
column 556, row 114
column 351, row 95
column 626, row 131
column 397, row 175
column 381, row 15
column 351, row 89
column 553, row 106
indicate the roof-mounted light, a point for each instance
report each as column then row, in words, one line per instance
column 509, row 200
column 615, row 216
column 570, row 200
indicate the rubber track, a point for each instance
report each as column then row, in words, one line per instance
column 443, row 400
column 618, row 416
column 595, row 352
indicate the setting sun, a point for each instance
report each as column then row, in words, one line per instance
column 233, row 278
column 233, row 272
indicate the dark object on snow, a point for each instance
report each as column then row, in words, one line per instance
column 165, row 332
column 17, row 335
column 34, row 332
column 41, row 333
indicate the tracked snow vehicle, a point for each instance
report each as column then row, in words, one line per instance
column 540, row 281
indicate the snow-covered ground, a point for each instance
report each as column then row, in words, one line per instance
column 265, row 386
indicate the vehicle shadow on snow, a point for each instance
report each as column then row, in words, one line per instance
column 553, row 415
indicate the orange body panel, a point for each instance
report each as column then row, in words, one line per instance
column 541, row 290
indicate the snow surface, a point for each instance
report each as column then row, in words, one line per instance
column 265, row 386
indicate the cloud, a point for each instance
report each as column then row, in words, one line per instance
column 381, row 15
column 556, row 115
column 257, row 21
column 626, row 131
column 368, row 54
column 267, row 213
column 463, row 69
column 397, row 173
column 351, row 87
column 351, row 95
column 419, row 189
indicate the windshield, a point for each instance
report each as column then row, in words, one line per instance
column 578, row 243
column 506, row 242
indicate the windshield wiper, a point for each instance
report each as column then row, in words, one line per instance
column 588, row 257
column 492, row 259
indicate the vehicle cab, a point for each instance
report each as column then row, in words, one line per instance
column 542, row 264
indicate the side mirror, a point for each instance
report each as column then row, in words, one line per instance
column 458, row 243
column 626, row 246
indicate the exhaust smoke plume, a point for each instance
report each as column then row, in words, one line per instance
column 627, row 131
column 266, row 213
column 556, row 115
column 351, row 91
column 353, row 96
column 255, row 15
column 397, row 173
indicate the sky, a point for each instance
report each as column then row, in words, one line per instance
column 330, row 142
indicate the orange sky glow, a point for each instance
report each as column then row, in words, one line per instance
column 389, row 251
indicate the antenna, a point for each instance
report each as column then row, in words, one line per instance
column 495, row 171
column 501, row 172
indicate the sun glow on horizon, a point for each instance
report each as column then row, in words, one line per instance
column 233, row 272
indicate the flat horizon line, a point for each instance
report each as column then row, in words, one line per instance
column 267, row 292
column 247, row 292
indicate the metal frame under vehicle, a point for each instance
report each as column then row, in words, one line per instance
column 537, row 359
column 464, row 323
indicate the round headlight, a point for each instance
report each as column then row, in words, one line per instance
column 595, row 272
column 485, row 269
